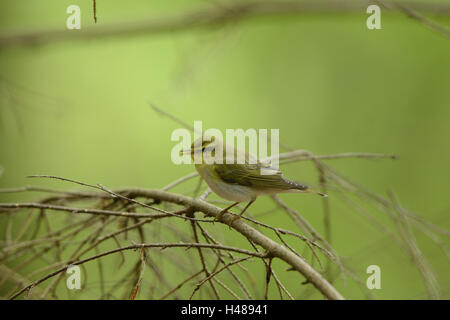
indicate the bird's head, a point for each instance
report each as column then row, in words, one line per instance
column 203, row 145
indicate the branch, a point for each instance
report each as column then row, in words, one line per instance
column 81, row 210
column 417, row 16
column 134, row 247
column 202, row 18
column 255, row 236
column 273, row 249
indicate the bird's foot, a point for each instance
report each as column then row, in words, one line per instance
column 221, row 213
column 233, row 219
column 219, row 216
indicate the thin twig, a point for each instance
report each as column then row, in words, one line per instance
column 138, row 246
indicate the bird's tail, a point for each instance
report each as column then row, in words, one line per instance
column 308, row 189
column 302, row 188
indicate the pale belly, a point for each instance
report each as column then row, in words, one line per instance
column 225, row 190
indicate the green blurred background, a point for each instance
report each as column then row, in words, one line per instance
column 80, row 110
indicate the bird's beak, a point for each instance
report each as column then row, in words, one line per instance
column 183, row 152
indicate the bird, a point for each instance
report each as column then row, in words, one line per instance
column 238, row 181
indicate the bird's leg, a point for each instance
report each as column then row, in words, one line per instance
column 238, row 216
column 225, row 210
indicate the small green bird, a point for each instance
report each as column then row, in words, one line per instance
column 239, row 182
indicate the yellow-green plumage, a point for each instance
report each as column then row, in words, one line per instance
column 250, row 175
column 244, row 182
column 240, row 182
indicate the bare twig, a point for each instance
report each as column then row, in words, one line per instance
column 273, row 248
column 212, row 275
column 422, row 264
column 137, row 246
column 181, row 284
column 141, row 275
column 94, row 10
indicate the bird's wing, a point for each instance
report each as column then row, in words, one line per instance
column 250, row 175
